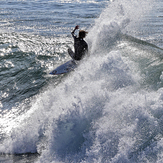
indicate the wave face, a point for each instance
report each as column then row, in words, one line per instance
column 109, row 109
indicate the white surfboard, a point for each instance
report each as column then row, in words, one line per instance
column 64, row 68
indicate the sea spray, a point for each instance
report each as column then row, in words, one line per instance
column 103, row 111
column 119, row 16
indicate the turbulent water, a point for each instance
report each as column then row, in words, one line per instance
column 109, row 109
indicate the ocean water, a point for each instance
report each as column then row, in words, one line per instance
column 109, row 109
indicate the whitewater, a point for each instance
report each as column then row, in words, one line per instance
column 108, row 110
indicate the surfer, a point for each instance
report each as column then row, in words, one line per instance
column 80, row 46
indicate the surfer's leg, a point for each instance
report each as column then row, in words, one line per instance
column 71, row 53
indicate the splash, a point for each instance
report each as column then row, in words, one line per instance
column 119, row 16
column 103, row 111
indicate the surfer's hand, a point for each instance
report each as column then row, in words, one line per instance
column 77, row 27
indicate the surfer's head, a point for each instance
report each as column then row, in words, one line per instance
column 82, row 33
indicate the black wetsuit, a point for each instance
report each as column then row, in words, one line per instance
column 80, row 46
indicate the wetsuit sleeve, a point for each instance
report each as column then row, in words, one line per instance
column 86, row 48
column 73, row 33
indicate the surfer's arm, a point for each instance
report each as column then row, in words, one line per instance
column 86, row 49
column 77, row 27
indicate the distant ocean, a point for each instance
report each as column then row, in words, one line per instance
column 109, row 109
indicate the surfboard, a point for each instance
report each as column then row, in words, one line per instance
column 64, row 68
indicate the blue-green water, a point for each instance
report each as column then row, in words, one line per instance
column 109, row 110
